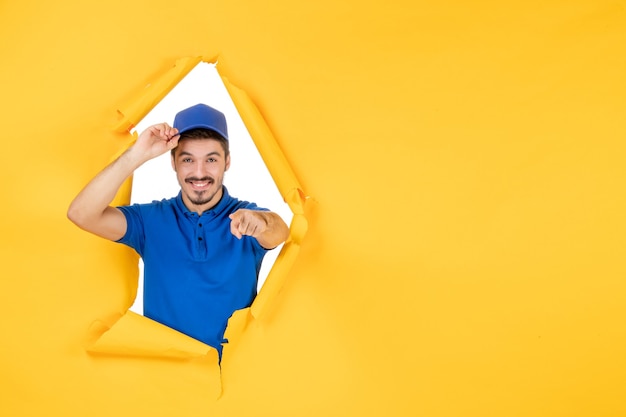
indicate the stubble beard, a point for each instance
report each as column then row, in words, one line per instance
column 200, row 198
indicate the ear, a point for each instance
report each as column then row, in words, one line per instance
column 173, row 162
column 227, row 163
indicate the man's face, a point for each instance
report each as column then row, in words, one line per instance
column 200, row 165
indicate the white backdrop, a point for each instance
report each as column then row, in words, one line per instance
column 247, row 179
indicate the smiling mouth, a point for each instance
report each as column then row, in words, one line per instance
column 199, row 184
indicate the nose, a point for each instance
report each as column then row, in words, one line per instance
column 200, row 169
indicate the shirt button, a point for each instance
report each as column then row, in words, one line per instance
column 199, row 238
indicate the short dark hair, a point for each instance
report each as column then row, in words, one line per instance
column 201, row 133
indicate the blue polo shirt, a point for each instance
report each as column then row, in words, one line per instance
column 196, row 273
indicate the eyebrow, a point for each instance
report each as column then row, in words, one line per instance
column 190, row 154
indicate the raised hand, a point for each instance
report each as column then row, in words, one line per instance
column 156, row 140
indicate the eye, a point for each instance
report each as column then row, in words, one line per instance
column 186, row 160
column 212, row 160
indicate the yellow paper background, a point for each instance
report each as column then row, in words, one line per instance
column 466, row 234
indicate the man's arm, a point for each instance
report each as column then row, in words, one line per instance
column 266, row 226
column 91, row 210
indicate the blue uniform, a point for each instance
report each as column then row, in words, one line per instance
column 196, row 273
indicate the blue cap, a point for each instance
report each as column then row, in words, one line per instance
column 201, row 116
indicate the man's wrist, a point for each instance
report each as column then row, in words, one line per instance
column 133, row 158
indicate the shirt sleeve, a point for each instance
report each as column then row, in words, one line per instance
column 134, row 236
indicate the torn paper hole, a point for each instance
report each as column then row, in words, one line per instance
column 155, row 180
column 262, row 158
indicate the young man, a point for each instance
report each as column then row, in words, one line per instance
column 202, row 249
